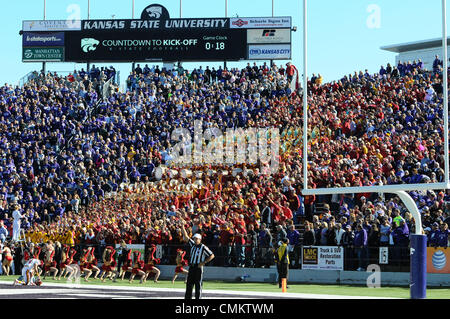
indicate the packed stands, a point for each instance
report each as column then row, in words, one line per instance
column 79, row 167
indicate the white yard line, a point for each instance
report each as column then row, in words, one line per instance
column 92, row 295
column 36, row 290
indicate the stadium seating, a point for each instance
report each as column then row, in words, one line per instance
column 71, row 157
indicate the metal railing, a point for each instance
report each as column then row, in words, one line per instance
column 34, row 74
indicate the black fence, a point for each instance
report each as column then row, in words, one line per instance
column 393, row 259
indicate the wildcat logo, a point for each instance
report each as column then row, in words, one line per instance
column 154, row 12
column 89, row 44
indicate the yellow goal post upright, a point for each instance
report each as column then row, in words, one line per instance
column 418, row 241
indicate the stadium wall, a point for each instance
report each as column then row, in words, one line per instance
column 309, row 276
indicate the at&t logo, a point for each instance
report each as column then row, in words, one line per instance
column 439, row 260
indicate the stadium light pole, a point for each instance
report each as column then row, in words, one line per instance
column 45, row 17
column 181, row 8
column 418, row 241
column 226, row 16
column 445, row 87
column 305, row 95
column 133, row 64
column 418, row 256
column 273, row 4
column 88, row 65
column 226, row 8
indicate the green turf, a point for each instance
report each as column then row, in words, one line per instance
column 388, row 292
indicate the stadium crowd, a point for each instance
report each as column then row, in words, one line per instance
column 79, row 170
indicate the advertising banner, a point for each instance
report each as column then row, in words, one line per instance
column 32, row 39
column 438, row 260
column 264, row 36
column 41, row 54
column 269, row 52
column 51, row 25
column 323, row 258
column 258, row 23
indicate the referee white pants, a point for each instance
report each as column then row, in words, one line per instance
column 195, row 278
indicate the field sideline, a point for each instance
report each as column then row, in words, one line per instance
column 315, row 291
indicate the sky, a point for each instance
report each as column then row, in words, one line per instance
column 343, row 36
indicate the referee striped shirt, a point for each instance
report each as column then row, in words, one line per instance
column 198, row 253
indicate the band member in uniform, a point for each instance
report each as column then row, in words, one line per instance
column 7, row 260
column 181, row 262
column 109, row 264
column 150, row 265
column 49, row 262
column 138, row 266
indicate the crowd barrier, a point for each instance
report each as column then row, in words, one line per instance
column 389, row 258
column 312, row 259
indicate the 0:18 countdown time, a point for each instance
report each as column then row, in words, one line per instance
column 218, row 46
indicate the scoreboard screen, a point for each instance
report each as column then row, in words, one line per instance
column 156, row 37
column 157, row 45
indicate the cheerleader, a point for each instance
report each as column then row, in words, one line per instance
column 109, row 264
column 28, row 253
column 150, row 265
column 7, row 260
column 49, row 262
column 84, row 262
column 138, row 266
column 64, row 258
column 92, row 264
column 35, row 253
column 127, row 262
column 181, row 262
column 72, row 265
column 67, row 255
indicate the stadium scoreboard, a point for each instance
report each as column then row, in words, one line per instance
column 156, row 45
column 157, row 38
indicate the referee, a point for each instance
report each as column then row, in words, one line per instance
column 199, row 256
